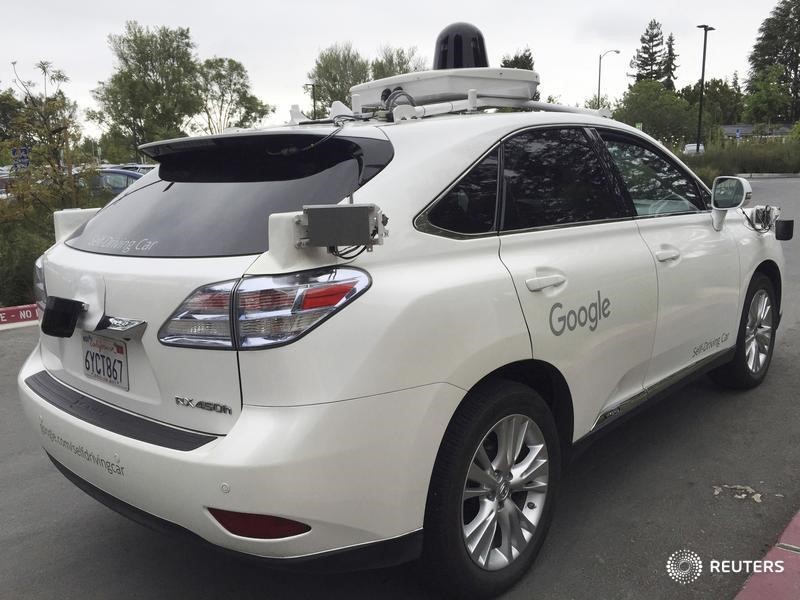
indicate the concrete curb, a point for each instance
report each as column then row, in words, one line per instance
column 768, row 175
column 778, row 586
column 18, row 325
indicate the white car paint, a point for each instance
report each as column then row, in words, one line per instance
column 340, row 428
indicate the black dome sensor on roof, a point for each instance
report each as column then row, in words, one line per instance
column 460, row 46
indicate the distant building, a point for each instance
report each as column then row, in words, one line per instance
column 748, row 130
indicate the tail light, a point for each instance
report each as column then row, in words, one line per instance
column 203, row 320
column 39, row 289
column 266, row 310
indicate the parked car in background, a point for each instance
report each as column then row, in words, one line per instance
column 5, row 177
column 111, row 182
column 137, row 167
column 693, row 149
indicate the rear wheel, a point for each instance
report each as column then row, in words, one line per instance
column 492, row 491
column 756, row 338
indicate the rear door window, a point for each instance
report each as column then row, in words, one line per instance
column 216, row 201
column 555, row 177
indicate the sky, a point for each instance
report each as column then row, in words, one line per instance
column 278, row 41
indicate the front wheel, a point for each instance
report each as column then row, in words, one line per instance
column 756, row 338
column 492, row 491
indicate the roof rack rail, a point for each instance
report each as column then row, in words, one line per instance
column 473, row 103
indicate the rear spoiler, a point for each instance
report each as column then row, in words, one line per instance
column 277, row 155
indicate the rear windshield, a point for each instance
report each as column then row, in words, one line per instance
column 217, row 201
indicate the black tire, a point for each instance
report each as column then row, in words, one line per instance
column 446, row 562
column 737, row 374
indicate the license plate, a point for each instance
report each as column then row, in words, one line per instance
column 105, row 360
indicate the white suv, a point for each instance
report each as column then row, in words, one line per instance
column 278, row 391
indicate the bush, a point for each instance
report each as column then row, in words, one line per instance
column 707, row 174
column 746, row 157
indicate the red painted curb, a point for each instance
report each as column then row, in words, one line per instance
column 791, row 535
column 18, row 314
column 778, row 586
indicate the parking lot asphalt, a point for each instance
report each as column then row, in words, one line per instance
column 665, row 480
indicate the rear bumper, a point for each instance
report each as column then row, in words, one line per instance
column 367, row 556
column 356, row 471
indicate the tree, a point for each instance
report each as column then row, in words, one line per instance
column 46, row 123
column 593, row 104
column 337, row 69
column 117, row 147
column 669, row 64
column 662, row 113
column 10, row 108
column 778, row 44
column 396, row 61
column 649, row 58
column 521, row 59
column 226, row 97
column 723, row 102
column 155, row 87
column 768, row 100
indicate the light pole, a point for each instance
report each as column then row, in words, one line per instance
column 600, row 71
column 313, row 87
column 706, row 29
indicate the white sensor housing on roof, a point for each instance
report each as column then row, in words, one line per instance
column 446, row 85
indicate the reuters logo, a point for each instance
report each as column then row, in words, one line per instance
column 684, row 566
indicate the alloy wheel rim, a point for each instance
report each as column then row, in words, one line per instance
column 504, row 492
column 758, row 332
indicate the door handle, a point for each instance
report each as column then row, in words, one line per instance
column 668, row 255
column 536, row 284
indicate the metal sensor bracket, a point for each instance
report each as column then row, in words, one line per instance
column 336, row 225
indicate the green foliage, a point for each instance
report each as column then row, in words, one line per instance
column 707, row 173
column 649, row 58
column 669, row 64
column 155, row 87
column 336, row 70
column 778, row 46
column 662, row 113
column 746, row 157
column 592, row 102
column 722, row 103
column 768, row 99
column 19, row 248
column 227, row 99
column 396, row 61
column 521, row 59
column 46, row 123
column 9, row 109
column 117, row 147
column 795, row 134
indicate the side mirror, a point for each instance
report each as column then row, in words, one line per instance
column 728, row 193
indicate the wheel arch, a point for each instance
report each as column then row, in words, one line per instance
column 548, row 382
column 773, row 272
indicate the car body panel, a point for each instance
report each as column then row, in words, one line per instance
column 131, row 288
column 698, row 292
column 611, row 289
column 340, row 429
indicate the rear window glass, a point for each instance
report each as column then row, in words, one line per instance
column 217, row 202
